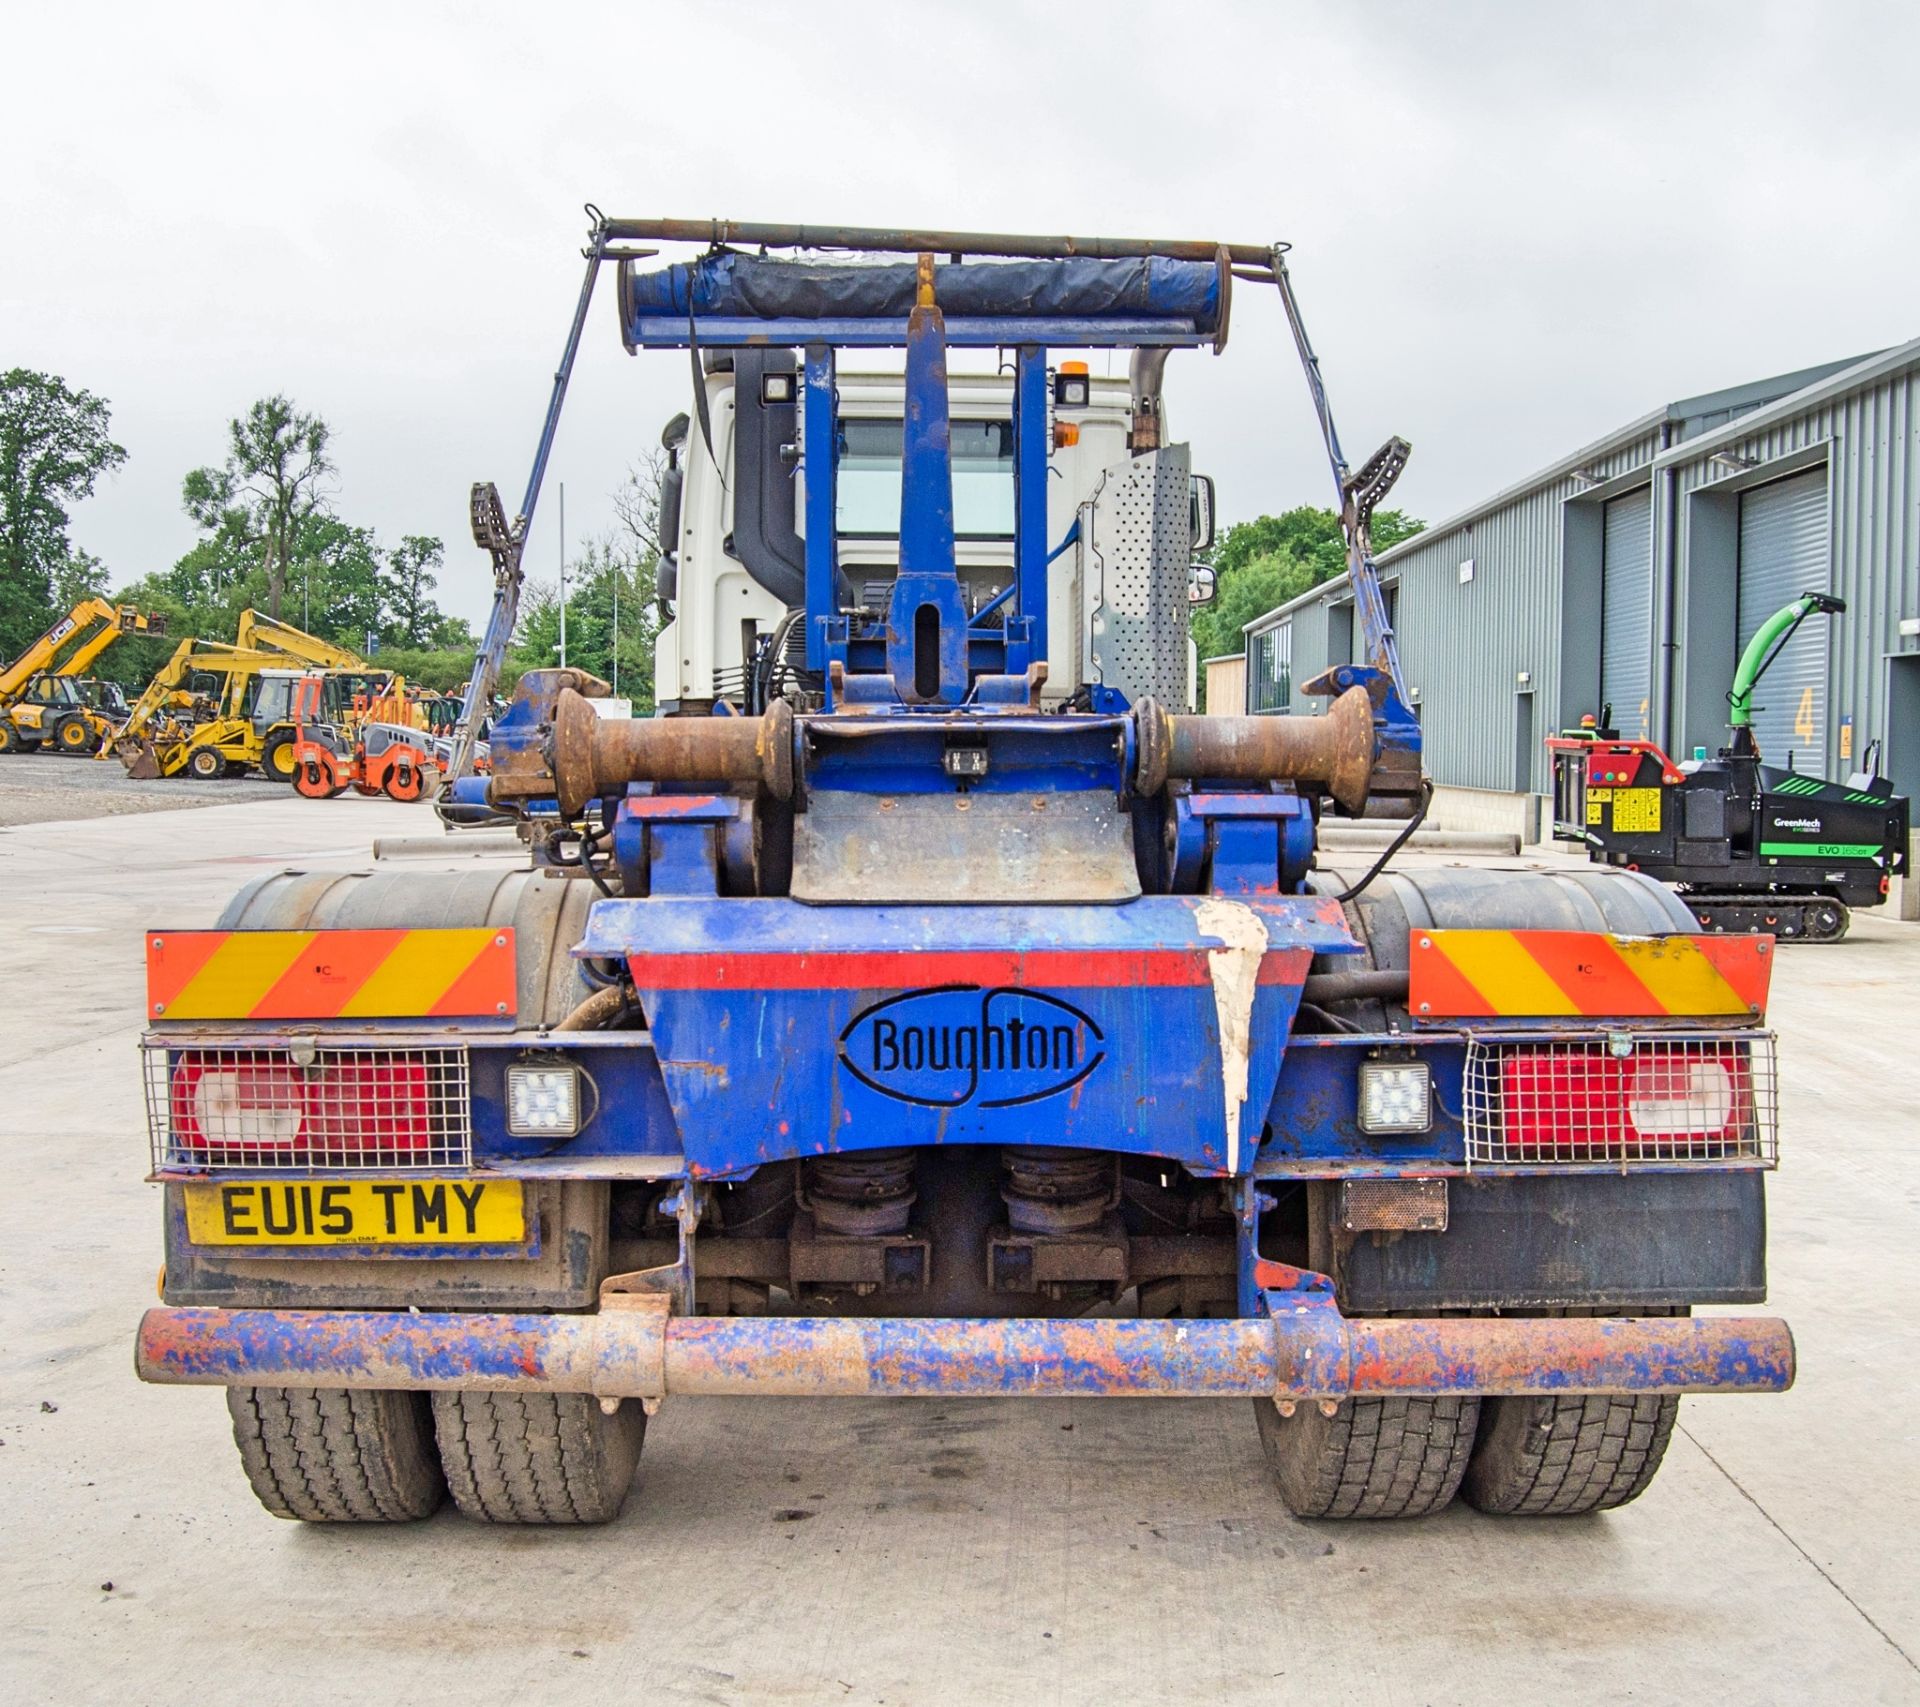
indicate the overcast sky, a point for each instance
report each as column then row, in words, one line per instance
column 1515, row 226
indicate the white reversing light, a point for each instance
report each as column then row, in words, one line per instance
column 543, row 1101
column 1395, row 1096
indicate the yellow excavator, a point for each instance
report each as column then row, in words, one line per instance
column 222, row 709
column 45, row 700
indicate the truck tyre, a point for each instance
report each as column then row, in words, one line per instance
column 337, row 1455
column 1385, row 1457
column 276, row 757
column 537, row 1457
column 1566, row 1454
column 9, row 737
column 71, row 735
column 206, row 764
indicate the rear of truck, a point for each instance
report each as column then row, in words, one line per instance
column 909, row 1030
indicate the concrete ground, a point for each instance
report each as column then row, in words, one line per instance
column 911, row 1552
column 43, row 787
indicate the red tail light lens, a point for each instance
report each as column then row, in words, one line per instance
column 253, row 1111
column 1683, row 1101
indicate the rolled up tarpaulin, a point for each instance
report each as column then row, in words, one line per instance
column 752, row 286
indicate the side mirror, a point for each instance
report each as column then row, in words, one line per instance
column 1200, row 506
column 1202, row 585
column 674, row 434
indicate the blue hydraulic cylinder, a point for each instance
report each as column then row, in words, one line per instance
column 1030, row 450
column 926, row 619
column 821, row 474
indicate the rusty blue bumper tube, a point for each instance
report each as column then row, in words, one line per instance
column 1303, row 1349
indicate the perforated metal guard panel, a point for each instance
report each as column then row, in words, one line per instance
column 1143, row 546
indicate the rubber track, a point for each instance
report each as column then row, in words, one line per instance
column 333, row 1455
column 1577, row 1454
column 535, row 1457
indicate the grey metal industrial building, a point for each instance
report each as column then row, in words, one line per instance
column 1632, row 571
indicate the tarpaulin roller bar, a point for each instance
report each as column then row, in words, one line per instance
column 1304, row 1352
column 902, row 241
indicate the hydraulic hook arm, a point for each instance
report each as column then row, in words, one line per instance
column 506, row 542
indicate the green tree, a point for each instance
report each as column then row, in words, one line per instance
column 1267, row 561
column 407, row 583
column 133, row 658
column 338, row 593
column 617, row 572
column 54, row 445
column 274, row 482
column 608, row 577
column 444, row 669
column 82, row 576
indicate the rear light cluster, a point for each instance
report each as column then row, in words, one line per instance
column 1622, row 1099
column 344, row 1110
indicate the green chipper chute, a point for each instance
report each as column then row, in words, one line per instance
column 1750, row 846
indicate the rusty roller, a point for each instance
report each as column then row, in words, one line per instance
column 593, row 755
column 1335, row 750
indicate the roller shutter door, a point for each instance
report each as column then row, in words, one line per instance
column 1626, row 612
column 1783, row 553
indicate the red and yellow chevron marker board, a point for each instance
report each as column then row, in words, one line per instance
column 397, row 974
column 1585, row 974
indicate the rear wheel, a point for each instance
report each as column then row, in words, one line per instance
column 9, row 737
column 403, row 781
column 72, row 734
column 276, row 757
column 1385, row 1457
column 1564, row 1455
column 537, row 1457
column 206, row 764
column 337, row 1455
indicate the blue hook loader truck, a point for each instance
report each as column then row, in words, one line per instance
column 927, row 1003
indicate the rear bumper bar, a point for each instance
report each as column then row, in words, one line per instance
column 636, row 1349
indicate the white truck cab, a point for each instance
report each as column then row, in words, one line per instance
column 1123, row 521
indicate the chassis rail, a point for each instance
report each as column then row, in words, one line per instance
column 1304, row 1349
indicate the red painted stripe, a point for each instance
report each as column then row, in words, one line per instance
column 1035, row 969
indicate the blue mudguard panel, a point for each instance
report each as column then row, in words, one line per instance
column 757, row 287
column 1154, row 1027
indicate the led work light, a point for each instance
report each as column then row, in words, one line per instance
column 543, row 1101
column 1395, row 1096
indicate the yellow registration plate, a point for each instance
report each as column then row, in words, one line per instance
column 357, row 1212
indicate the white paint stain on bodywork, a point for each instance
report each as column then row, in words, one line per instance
column 1235, row 966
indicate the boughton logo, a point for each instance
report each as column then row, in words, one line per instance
column 959, row 1044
